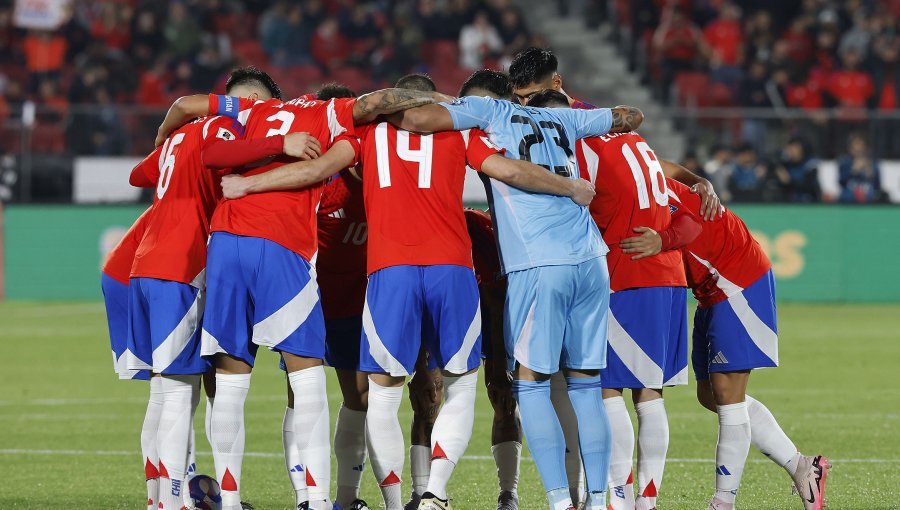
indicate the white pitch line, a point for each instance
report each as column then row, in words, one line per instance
column 267, row 455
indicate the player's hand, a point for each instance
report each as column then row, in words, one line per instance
column 443, row 98
column 499, row 387
column 710, row 205
column 648, row 244
column 234, row 186
column 302, row 145
column 582, row 192
column 160, row 138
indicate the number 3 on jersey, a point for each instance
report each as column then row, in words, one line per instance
column 422, row 156
column 167, row 163
column 653, row 171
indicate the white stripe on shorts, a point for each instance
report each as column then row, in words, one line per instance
column 635, row 359
column 379, row 352
column 520, row 352
column 171, row 347
column 763, row 336
column 459, row 363
column 272, row 330
column 679, row 379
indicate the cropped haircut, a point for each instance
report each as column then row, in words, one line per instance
column 549, row 98
column 416, row 81
column 494, row 82
column 532, row 65
column 254, row 77
column 334, row 90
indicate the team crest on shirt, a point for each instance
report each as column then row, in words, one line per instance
column 225, row 134
column 672, row 208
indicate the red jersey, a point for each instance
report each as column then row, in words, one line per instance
column 284, row 217
column 119, row 260
column 413, row 194
column 724, row 259
column 174, row 244
column 631, row 192
column 341, row 262
column 485, row 256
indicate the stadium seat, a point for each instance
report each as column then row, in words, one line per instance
column 48, row 138
column 357, row 79
column 449, row 78
column 250, row 52
column 692, row 88
column 441, row 53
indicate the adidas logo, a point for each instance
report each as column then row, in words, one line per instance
column 359, row 467
column 297, row 469
column 619, row 491
column 722, row 470
column 339, row 214
column 720, row 359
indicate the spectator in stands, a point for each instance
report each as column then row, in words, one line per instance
column 886, row 99
column 112, row 25
column 802, row 170
column 329, row 48
column 181, row 31
column 679, row 44
column 209, row 66
column 743, row 183
column 45, row 53
column 856, row 39
column 146, row 38
column 478, row 41
column 152, row 86
column 288, row 35
column 759, row 35
column 52, row 105
column 434, row 23
column 752, row 94
column 850, row 86
column 860, row 177
column 718, row 170
column 513, row 31
column 799, row 44
column 725, row 39
column 358, row 26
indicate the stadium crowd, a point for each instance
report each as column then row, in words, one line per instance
column 145, row 53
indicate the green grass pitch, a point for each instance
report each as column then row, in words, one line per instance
column 69, row 431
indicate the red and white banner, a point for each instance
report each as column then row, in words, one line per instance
column 41, row 14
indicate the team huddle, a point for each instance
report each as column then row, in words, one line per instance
column 331, row 229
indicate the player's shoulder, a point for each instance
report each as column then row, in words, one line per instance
column 676, row 190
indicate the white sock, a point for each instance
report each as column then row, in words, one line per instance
column 452, row 430
column 559, row 396
column 312, row 432
column 767, row 436
column 732, row 449
column 506, row 456
column 653, row 443
column 621, row 479
column 173, row 437
column 384, row 439
column 350, row 451
column 227, row 435
column 207, row 422
column 419, row 467
column 192, row 452
column 148, row 442
column 292, row 458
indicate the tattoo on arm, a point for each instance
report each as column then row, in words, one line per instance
column 625, row 119
column 383, row 102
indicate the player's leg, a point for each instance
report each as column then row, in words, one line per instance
column 426, row 390
column 621, row 473
column 583, row 355
column 559, row 395
column 452, row 332
column 506, row 429
column 342, row 344
column 392, row 324
column 149, row 450
column 536, row 304
column 293, row 464
column 227, row 327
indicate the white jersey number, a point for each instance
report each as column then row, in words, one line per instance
column 422, row 156
column 167, row 164
column 657, row 178
column 286, row 118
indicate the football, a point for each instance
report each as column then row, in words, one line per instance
column 205, row 493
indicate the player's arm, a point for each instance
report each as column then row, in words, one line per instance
column 182, row 110
column 530, row 177
column 626, row 119
column 598, row 122
column 146, row 173
column 218, row 153
column 463, row 113
column 710, row 205
column 387, row 101
column 684, row 228
column 296, row 175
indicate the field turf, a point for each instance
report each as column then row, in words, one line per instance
column 69, row 431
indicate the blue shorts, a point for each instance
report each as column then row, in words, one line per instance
column 407, row 306
column 740, row 333
column 260, row 293
column 647, row 338
column 342, row 339
column 164, row 327
column 115, row 297
column 557, row 315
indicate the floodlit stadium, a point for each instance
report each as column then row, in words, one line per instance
column 449, row 254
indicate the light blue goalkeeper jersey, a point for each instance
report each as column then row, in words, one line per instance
column 536, row 229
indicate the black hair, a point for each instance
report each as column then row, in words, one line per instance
column 494, row 82
column 532, row 65
column 549, row 98
column 416, row 81
column 252, row 76
column 334, row 90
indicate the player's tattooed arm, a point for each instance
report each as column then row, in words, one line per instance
column 530, row 177
column 710, row 205
column 423, row 119
column 387, row 101
column 625, row 119
column 298, row 175
column 182, row 110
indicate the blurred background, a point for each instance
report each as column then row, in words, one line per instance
column 792, row 104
